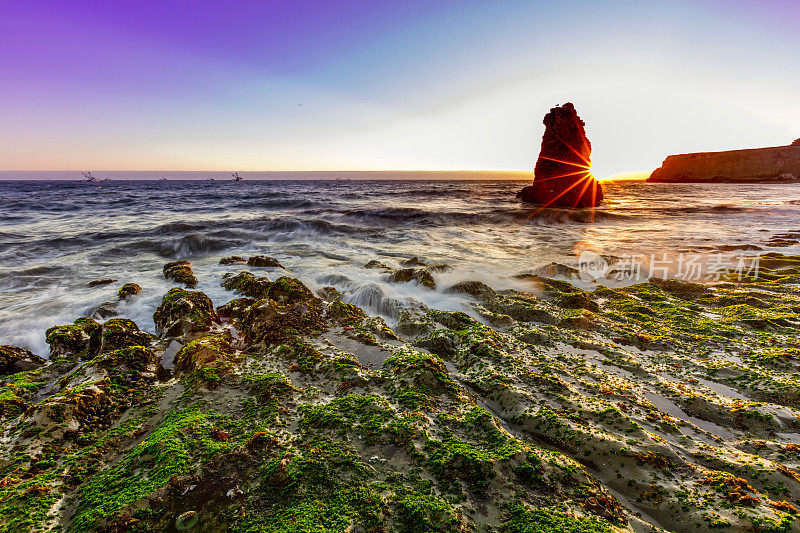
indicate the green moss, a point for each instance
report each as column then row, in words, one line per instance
column 524, row 519
column 180, row 272
column 129, row 289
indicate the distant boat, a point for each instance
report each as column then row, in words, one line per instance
column 162, row 178
column 210, row 179
column 89, row 177
column 236, row 176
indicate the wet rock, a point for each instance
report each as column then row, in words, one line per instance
column 406, row 275
column 345, row 314
column 247, row 284
column 105, row 310
column 562, row 177
column 288, row 290
column 184, row 313
column 129, row 289
column 74, row 341
column 329, row 294
column 99, row 282
column 233, row 260
column 235, row 308
column 210, row 357
column 414, row 261
column 263, row 261
column 14, row 359
column 556, row 269
column 118, row 333
column 268, row 323
column 180, row 272
column 377, row 265
column 477, row 289
column 577, row 300
column 439, row 267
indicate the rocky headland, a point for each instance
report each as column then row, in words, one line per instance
column 562, row 176
column 662, row 406
column 755, row 165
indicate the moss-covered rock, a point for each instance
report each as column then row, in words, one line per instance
column 477, row 289
column 101, row 282
column 233, row 260
column 184, row 313
column 118, row 333
column 210, row 358
column 235, row 309
column 406, row 275
column 180, row 272
column 14, row 359
column 269, row 323
column 129, row 289
column 247, row 284
column 374, row 264
column 74, row 341
column 264, row 261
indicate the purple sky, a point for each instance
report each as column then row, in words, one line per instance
column 374, row 85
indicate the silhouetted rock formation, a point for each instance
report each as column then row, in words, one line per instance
column 562, row 176
column 776, row 164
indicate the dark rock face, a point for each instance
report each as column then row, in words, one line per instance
column 755, row 165
column 184, row 313
column 264, row 261
column 13, row 360
column 562, row 177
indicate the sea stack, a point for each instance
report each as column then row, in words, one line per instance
column 563, row 175
column 754, row 165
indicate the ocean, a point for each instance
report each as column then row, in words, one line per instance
column 57, row 236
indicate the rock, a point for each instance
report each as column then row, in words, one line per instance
column 233, row 260
column 184, row 313
column 556, row 269
column 329, row 294
column 180, row 272
column 562, row 177
column 129, row 289
column 247, row 284
column 98, row 282
column 477, row 289
column 439, row 267
column 74, row 341
column 212, row 357
column 14, row 359
column 377, row 265
column 755, row 165
column 118, row 333
column 263, row 261
column 268, row 323
column 288, row 290
column 405, row 275
column 105, row 310
column 414, row 261
column 235, row 308
column 796, row 142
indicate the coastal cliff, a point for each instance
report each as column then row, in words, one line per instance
column 755, row 165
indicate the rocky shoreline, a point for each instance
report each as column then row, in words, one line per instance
column 665, row 404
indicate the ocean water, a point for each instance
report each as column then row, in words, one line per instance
column 57, row 236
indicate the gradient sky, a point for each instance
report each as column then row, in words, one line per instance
column 461, row 84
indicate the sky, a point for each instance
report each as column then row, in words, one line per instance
column 370, row 85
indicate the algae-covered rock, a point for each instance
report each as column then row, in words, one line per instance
column 180, row 272
column 406, row 275
column 264, row 261
column 476, row 289
column 210, row 358
column 118, row 333
column 247, row 284
column 235, row 308
column 184, row 313
column 100, row 282
column 374, row 264
column 14, row 359
column 129, row 289
column 268, row 323
column 414, row 261
column 74, row 341
column 233, row 260
column 105, row 310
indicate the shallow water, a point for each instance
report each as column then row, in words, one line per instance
column 55, row 237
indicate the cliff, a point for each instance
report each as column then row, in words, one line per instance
column 780, row 163
column 562, row 176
